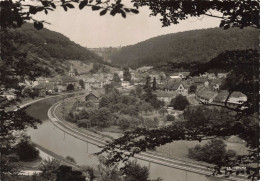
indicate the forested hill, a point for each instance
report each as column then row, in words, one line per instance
column 184, row 47
column 51, row 48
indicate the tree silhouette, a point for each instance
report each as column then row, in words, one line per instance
column 244, row 76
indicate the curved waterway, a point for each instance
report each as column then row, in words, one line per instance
column 55, row 140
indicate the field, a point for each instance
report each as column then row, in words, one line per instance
column 179, row 149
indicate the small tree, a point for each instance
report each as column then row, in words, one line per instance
column 116, row 78
column 146, row 107
column 180, row 102
column 26, row 150
column 127, row 74
column 214, row 151
column 170, row 117
column 138, row 91
column 81, row 83
column 192, row 89
column 162, row 111
column 70, row 87
column 136, row 172
column 154, row 84
column 48, row 167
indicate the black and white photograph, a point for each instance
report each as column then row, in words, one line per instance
column 129, row 90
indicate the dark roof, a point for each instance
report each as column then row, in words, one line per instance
column 40, row 86
column 199, row 80
column 207, row 94
column 67, row 79
column 222, row 96
column 175, row 85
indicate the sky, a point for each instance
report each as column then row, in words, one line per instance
column 89, row 29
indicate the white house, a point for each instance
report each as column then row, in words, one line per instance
column 125, row 84
column 222, row 75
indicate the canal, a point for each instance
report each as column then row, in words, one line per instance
column 55, row 140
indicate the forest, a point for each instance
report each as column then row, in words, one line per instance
column 51, row 49
column 186, row 47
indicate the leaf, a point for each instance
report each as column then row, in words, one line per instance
column 40, row 8
column 123, row 14
column 46, row 12
column 83, row 4
column 53, row 5
column 127, row 10
column 70, row 5
column 103, row 12
column 135, row 11
column 95, row 8
column 38, row 25
column 44, row 3
column 222, row 23
column 65, row 7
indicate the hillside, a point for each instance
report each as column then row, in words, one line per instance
column 52, row 49
column 186, row 47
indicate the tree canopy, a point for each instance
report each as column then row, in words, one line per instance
column 243, row 77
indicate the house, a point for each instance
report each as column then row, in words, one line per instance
column 204, row 75
column 206, row 96
column 180, row 75
column 165, row 96
column 179, row 87
column 61, row 88
column 144, row 69
column 92, row 97
column 175, row 76
column 41, row 90
column 222, row 75
column 66, row 80
column 50, row 87
column 198, row 80
column 71, row 71
column 215, row 84
column 211, row 76
column 125, row 84
column 120, row 73
column 9, row 95
column 235, row 99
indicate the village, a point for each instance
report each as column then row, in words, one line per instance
column 202, row 89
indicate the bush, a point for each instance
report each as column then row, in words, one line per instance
column 170, row 117
column 26, row 150
column 214, row 151
column 180, row 102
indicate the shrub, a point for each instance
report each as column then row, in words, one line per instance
column 170, row 117
column 214, row 151
column 179, row 102
column 26, row 150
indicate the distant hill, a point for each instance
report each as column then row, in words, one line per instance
column 186, row 47
column 52, row 49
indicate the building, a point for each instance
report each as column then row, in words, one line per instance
column 198, row 80
column 211, row 76
column 95, row 83
column 125, row 84
column 234, row 100
column 222, row 75
column 66, row 80
column 92, row 97
column 165, row 96
column 178, row 87
column 71, row 71
column 180, row 75
column 41, row 90
column 206, row 96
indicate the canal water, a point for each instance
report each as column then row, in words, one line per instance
column 55, row 140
